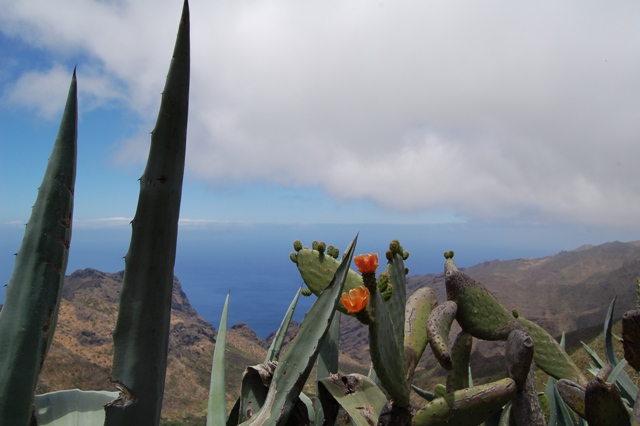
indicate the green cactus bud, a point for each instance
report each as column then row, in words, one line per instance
column 333, row 252
column 395, row 247
column 383, row 281
column 439, row 390
column 405, row 255
column 387, row 293
column 451, row 254
column 293, row 257
column 306, row 292
column 406, row 271
column 322, row 247
column 515, row 313
column 314, row 245
column 389, row 255
column 446, row 255
column 297, row 245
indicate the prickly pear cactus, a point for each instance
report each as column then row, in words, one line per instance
column 479, row 312
column 317, row 267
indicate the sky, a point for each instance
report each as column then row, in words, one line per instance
column 337, row 111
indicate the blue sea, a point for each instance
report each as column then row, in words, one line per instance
column 252, row 261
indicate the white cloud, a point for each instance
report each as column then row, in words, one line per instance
column 496, row 110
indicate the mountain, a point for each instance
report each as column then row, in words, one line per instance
column 82, row 351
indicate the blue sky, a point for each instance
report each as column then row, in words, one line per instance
column 336, row 112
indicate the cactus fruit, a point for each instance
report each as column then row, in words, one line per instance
column 141, row 336
column 28, row 318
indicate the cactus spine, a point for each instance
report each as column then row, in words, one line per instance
column 28, row 318
column 142, row 328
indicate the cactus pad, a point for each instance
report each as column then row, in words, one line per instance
column 469, row 406
column 417, row 310
column 479, row 312
column 438, row 328
column 549, row 355
column 317, row 269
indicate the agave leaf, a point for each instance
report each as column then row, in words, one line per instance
column 356, row 394
column 594, row 357
column 234, row 415
column 608, row 338
column 72, row 407
column 429, row 396
column 276, row 343
column 141, row 335
column 327, row 361
column 28, row 319
column 255, row 385
column 628, row 389
column 558, row 411
column 217, row 407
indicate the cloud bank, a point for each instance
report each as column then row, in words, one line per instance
column 499, row 110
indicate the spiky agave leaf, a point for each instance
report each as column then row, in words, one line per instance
column 29, row 315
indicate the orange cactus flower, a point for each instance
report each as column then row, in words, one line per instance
column 356, row 299
column 367, row 263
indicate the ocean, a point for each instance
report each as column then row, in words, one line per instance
column 251, row 262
